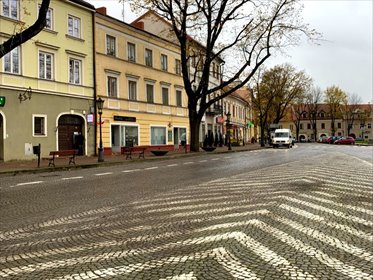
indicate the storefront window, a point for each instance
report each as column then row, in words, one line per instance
column 158, row 135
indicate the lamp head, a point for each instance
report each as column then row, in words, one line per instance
column 100, row 104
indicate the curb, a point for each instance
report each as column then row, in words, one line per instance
column 111, row 163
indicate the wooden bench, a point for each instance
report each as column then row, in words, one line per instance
column 62, row 154
column 129, row 151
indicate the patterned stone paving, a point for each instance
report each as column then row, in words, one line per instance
column 304, row 220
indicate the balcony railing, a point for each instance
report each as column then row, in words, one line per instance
column 215, row 109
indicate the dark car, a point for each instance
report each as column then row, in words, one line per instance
column 345, row 140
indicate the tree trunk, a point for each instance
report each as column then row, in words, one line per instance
column 262, row 144
column 297, row 129
column 194, row 124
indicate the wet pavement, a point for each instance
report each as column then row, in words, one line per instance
column 31, row 166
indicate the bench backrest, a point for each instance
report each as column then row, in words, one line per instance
column 64, row 153
column 137, row 148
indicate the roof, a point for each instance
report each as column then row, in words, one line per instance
column 83, row 3
column 151, row 12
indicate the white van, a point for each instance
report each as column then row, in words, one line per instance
column 283, row 137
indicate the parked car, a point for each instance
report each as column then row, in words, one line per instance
column 332, row 139
column 345, row 140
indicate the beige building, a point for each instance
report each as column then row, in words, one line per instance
column 139, row 78
column 360, row 124
column 47, row 82
column 238, row 105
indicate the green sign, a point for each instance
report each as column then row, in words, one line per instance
column 2, row 101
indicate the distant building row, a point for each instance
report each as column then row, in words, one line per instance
column 355, row 121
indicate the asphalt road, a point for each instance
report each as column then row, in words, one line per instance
column 301, row 213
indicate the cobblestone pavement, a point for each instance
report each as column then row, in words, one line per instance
column 303, row 220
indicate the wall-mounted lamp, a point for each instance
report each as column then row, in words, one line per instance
column 26, row 95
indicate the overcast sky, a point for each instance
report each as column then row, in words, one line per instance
column 344, row 59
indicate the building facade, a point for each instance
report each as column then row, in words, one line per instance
column 47, row 82
column 140, row 82
column 241, row 126
column 358, row 124
column 213, row 120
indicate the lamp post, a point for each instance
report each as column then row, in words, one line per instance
column 229, row 130
column 100, row 105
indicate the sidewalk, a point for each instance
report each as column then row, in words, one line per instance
column 31, row 166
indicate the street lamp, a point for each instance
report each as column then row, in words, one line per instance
column 100, row 105
column 229, row 130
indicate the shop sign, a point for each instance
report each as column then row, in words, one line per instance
column 124, row 119
column 219, row 119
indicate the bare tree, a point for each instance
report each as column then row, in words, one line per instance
column 350, row 110
column 298, row 109
column 313, row 100
column 262, row 101
column 243, row 33
column 25, row 35
column 334, row 98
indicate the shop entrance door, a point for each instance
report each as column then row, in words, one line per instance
column 70, row 133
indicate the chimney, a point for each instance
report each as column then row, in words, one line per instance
column 101, row 10
column 138, row 24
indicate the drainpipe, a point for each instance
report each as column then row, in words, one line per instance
column 94, row 81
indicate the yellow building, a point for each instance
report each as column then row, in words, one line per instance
column 238, row 106
column 48, row 81
column 212, row 121
column 139, row 78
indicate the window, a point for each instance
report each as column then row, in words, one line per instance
column 164, row 65
column 112, row 86
column 73, row 26
column 110, row 45
column 12, row 61
column 46, row 66
column 339, row 125
column 10, row 8
column 48, row 19
column 75, row 71
column 158, row 135
column 177, row 66
column 39, row 125
column 322, row 125
column 214, row 69
column 308, row 126
column 301, row 126
column 148, row 57
column 179, row 101
column 131, row 48
column 369, row 125
column 165, row 96
column 132, row 90
column 150, row 93
column 124, row 135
